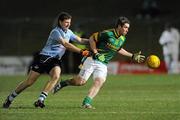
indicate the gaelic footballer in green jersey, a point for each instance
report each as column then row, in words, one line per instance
column 108, row 43
column 104, row 45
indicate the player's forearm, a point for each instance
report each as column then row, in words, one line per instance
column 93, row 46
column 125, row 53
column 72, row 48
column 84, row 41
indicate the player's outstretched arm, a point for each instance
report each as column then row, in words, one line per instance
column 82, row 40
column 125, row 53
column 73, row 48
column 138, row 57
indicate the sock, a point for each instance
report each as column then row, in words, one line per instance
column 12, row 96
column 87, row 100
column 43, row 96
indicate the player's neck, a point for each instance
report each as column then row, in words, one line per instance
column 118, row 32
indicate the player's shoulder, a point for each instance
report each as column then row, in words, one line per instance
column 175, row 30
column 54, row 30
column 123, row 37
column 70, row 31
column 108, row 31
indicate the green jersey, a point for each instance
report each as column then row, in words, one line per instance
column 108, row 44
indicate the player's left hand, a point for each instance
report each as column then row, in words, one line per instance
column 85, row 52
column 138, row 57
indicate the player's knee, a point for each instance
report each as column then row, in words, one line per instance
column 55, row 77
column 80, row 81
column 98, row 82
column 29, row 83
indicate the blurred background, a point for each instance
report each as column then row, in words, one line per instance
column 25, row 25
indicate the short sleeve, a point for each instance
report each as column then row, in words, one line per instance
column 72, row 36
column 95, row 36
column 56, row 35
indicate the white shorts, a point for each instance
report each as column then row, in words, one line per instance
column 90, row 66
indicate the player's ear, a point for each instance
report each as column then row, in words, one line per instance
column 119, row 26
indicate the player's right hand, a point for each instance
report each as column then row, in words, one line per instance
column 99, row 57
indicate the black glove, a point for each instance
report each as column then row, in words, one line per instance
column 98, row 56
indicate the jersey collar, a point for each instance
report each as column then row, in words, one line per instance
column 116, row 33
column 64, row 30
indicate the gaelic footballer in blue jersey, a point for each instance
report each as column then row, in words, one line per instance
column 49, row 59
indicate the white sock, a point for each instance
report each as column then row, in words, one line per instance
column 43, row 96
column 12, row 96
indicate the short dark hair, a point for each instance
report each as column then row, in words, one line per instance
column 121, row 21
column 63, row 16
column 167, row 25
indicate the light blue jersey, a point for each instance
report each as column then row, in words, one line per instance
column 53, row 47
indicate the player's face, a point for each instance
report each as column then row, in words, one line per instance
column 65, row 24
column 123, row 30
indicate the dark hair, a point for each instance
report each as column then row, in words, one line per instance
column 63, row 16
column 121, row 21
column 168, row 25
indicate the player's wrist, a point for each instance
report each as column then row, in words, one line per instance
column 95, row 52
column 132, row 56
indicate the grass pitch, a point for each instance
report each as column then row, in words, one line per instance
column 123, row 97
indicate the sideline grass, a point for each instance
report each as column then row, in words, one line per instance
column 123, row 97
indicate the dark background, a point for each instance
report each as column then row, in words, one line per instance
column 25, row 25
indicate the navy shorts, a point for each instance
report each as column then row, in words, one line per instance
column 44, row 64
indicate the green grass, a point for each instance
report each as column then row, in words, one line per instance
column 123, row 97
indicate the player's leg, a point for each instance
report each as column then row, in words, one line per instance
column 167, row 60
column 75, row 81
column 32, row 77
column 55, row 75
column 174, row 65
column 93, row 91
column 99, row 77
column 78, row 80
